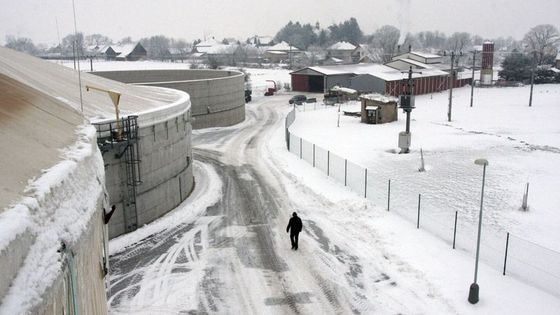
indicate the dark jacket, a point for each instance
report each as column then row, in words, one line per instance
column 295, row 224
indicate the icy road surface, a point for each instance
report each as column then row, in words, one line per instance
column 234, row 257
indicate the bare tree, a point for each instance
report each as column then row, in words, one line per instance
column 73, row 43
column 459, row 41
column 22, row 44
column 386, row 39
column 543, row 39
column 411, row 41
column 157, row 46
column 97, row 40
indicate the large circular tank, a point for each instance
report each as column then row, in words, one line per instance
column 217, row 96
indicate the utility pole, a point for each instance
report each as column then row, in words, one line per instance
column 532, row 77
column 290, row 55
column 407, row 104
column 451, row 83
column 472, row 80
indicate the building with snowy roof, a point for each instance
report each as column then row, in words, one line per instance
column 378, row 109
column 69, row 160
column 127, row 52
column 202, row 46
column 362, row 54
column 421, row 57
column 281, row 52
column 372, row 78
column 341, row 51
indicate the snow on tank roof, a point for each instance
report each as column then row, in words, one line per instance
column 62, row 83
column 342, row 46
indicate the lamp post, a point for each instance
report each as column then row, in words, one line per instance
column 473, row 291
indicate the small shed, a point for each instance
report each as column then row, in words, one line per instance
column 379, row 109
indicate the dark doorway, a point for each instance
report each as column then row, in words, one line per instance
column 316, row 83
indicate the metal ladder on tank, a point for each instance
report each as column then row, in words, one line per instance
column 132, row 168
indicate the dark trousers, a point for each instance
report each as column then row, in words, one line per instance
column 294, row 239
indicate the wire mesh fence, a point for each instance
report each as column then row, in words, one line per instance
column 509, row 254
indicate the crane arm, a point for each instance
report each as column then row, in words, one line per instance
column 115, row 96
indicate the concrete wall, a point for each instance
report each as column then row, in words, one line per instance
column 56, row 279
column 217, row 96
column 82, row 275
column 165, row 153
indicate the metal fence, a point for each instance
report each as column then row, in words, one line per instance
column 510, row 254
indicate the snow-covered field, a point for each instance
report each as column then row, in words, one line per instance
column 521, row 143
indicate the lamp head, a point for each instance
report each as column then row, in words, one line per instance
column 482, row 162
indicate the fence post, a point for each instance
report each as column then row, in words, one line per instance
column 389, row 196
column 345, row 172
column 455, row 230
column 313, row 154
column 525, row 197
column 365, row 183
column 505, row 256
column 328, row 162
column 418, row 219
column 300, row 148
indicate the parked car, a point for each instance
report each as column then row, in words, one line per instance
column 298, row 99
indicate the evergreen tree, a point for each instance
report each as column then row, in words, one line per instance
column 516, row 67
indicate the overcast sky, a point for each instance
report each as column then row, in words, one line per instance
column 192, row 19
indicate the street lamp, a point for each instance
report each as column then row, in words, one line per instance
column 473, row 291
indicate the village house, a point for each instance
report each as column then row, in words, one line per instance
column 340, row 53
column 281, row 52
column 127, row 52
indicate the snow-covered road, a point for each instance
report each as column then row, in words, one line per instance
column 234, row 256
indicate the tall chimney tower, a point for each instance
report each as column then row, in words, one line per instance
column 487, row 72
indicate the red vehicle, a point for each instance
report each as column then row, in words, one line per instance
column 270, row 90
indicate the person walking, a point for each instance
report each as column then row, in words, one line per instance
column 294, row 227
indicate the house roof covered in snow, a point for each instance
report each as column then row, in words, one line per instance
column 220, row 49
column 283, row 46
column 123, row 50
column 342, row 46
column 208, row 43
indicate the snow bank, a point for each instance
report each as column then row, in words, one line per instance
column 58, row 207
column 208, row 190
